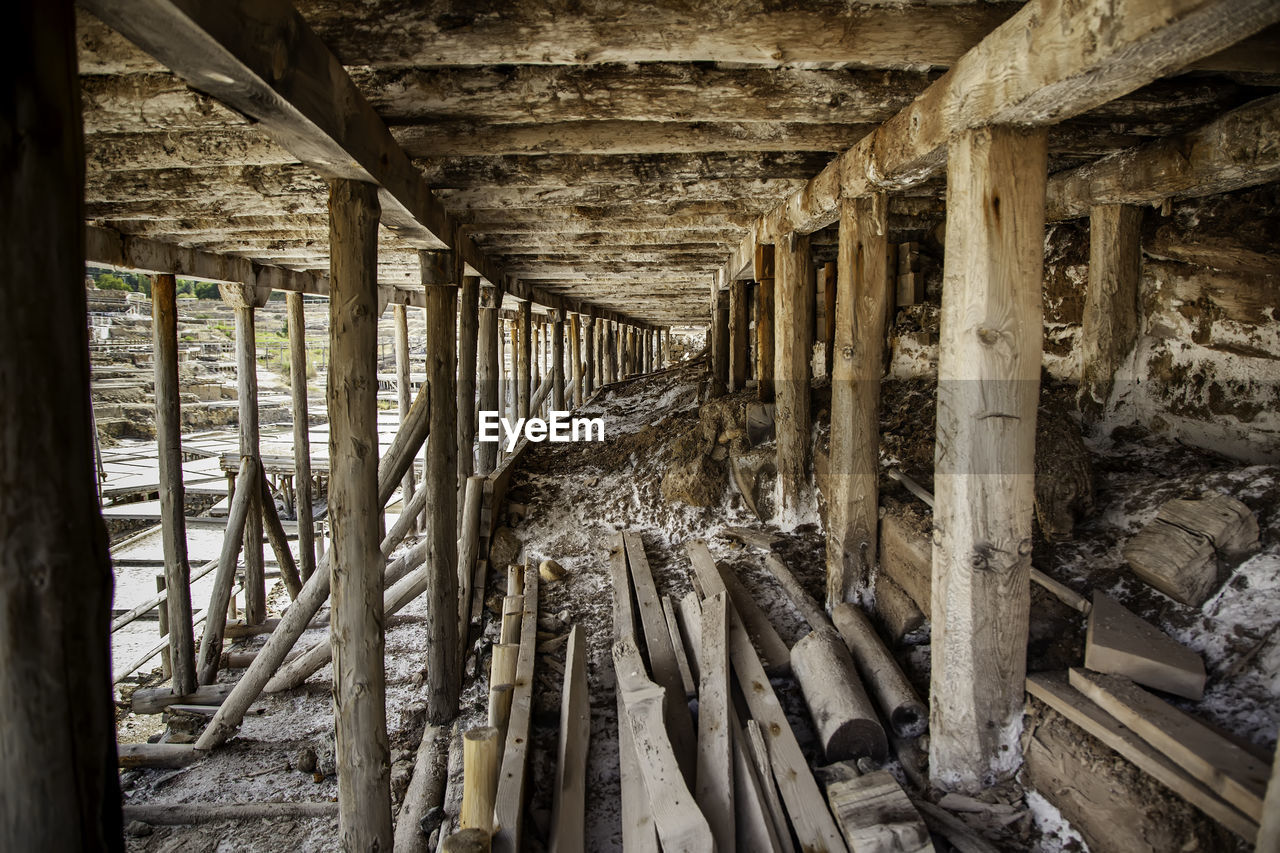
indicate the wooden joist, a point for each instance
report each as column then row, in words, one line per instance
column 1053, row 689
column 1228, row 770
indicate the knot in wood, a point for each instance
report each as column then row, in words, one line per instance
column 989, row 337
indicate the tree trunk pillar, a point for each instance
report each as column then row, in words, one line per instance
column 404, row 396
column 525, row 356
column 489, row 372
column 301, row 436
column 468, row 333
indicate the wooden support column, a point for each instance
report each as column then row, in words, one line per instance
column 357, row 628
column 489, row 372
column 177, row 571
column 404, row 396
column 557, row 361
column 513, row 371
column 589, row 356
column 536, row 356
column 858, row 319
column 610, row 358
column 792, row 346
column 739, row 346
column 440, row 481
column 575, row 357
column 988, row 387
column 301, row 436
column 829, row 285
column 1111, row 311
column 763, row 272
column 468, row 331
column 720, row 337
column 524, row 357
column 59, row 784
column 245, row 299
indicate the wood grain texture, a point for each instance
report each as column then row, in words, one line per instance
column 1111, row 311
column 301, row 435
column 569, row 804
column 988, row 387
column 739, row 346
column 59, row 787
column 225, row 578
column 794, row 337
column 853, row 505
column 714, row 790
column 357, row 626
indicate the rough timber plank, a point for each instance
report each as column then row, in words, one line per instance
column 1053, row 689
column 1050, row 61
column 571, row 766
column 876, row 816
column 681, row 825
column 509, row 801
column 715, row 755
column 662, row 656
column 1228, row 770
column 263, row 60
column 1119, row 643
column 715, row 579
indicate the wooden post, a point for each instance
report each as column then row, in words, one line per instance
column 524, row 356
column 500, row 364
column 557, row 361
column 763, row 272
column 720, row 337
column 359, row 682
column 1111, row 310
column 162, row 619
column 988, row 388
column 792, row 347
column 535, row 375
column 481, row 758
column 255, row 585
column 489, row 372
column 403, row 396
column 609, row 357
column 301, row 436
column 177, row 571
column 829, row 309
column 440, row 481
column 575, row 357
column 589, row 357
column 468, row 330
column 854, row 504
column 739, row 293
column 513, row 375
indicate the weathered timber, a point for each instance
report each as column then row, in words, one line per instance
column 794, row 337
column 468, row 331
column 301, row 436
column 681, row 825
column 578, row 390
column 255, row 604
column 359, row 688
column 897, row 699
column 481, row 755
column 278, row 538
column 400, row 319
column 989, row 362
column 838, row 703
column 715, row 579
column 805, row 603
column 168, row 755
column 220, row 595
column 569, row 804
column 714, row 791
column 182, row 814
column 1111, row 310
column 1118, row 642
column 557, row 362
column 489, row 373
column 853, row 506
column 523, row 360
column 1227, row 769
column 677, row 643
column 155, row 700
column 509, row 809
column 177, row 570
column 739, row 347
column 875, row 814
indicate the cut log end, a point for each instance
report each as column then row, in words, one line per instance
column 910, row 721
column 854, row 739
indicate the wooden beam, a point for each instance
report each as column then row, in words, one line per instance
column 301, row 436
column 440, row 479
column 988, row 389
column 1236, row 150
column 557, row 362
column 763, row 273
column 359, row 680
column 255, row 604
column 794, row 338
column 1050, row 61
column 853, row 506
column 297, row 91
column 1112, row 312
column 739, row 347
column 59, row 775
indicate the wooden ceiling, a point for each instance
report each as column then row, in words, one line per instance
column 611, row 152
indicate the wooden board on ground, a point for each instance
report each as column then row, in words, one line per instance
column 1228, row 770
column 715, row 755
column 677, row 643
column 1179, row 562
column 509, row 804
column 682, row 828
column 1053, row 689
column 1118, row 642
column 662, row 657
column 772, row 650
column 876, row 816
column 569, row 804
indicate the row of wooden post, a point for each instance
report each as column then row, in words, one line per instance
column 988, row 386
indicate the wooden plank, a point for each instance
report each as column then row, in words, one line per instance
column 662, row 656
column 509, row 811
column 1228, row 770
column 715, row 769
column 1117, row 642
column 681, row 825
column 677, row 643
column 359, row 679
column 853, row 505
column 988, row 388
column 876, row 816
column 569, row 805
column 1053, row 689
column 715, row 579
column 762, row 767
column 813, row 823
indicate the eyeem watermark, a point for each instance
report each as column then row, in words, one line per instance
column 560, row 427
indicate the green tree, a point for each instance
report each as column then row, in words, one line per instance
column 111, row 281
column 207, row 290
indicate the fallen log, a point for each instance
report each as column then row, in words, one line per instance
column 898, row 700
column 155, row 700
column 180, row 814
column 425, row 792
column 838, row 703
column 167, row 755
column 278, row 539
